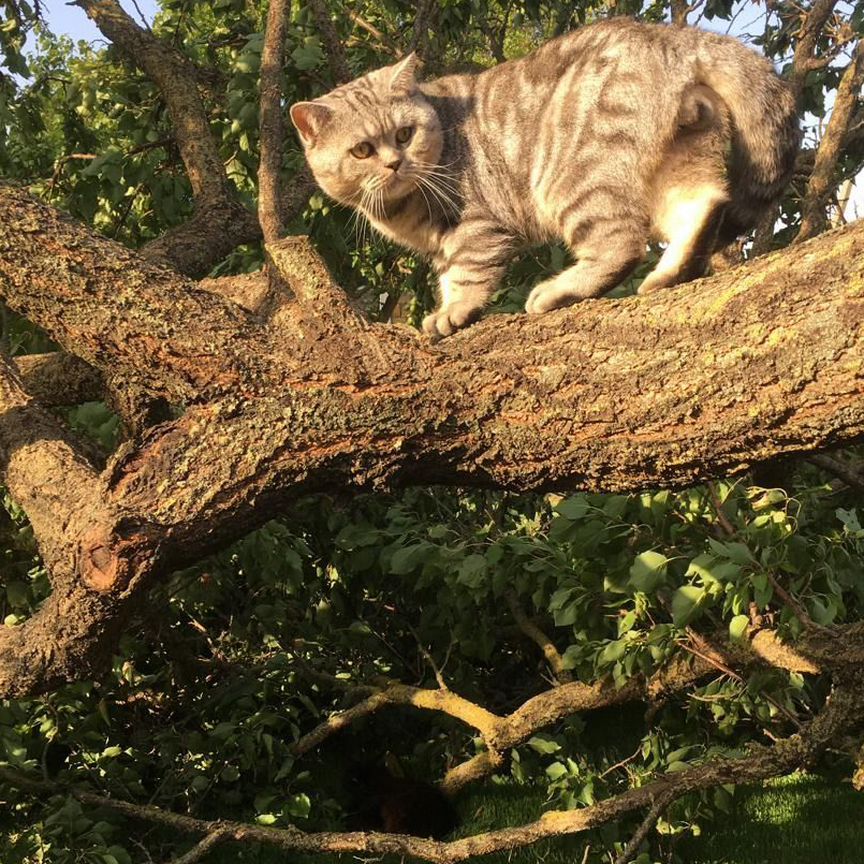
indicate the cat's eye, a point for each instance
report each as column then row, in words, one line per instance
column 363, row 150
column 403, row 134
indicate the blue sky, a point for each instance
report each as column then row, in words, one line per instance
column 71, row 20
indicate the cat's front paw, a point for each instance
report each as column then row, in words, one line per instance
column 549, row 295
column 448, row 319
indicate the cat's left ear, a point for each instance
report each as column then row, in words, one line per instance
column 403, row 81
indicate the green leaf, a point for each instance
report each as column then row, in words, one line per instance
column 556, row 770
column 230, row 774
column 738, row 627
column 574, row 508
column 472, row 571
column 685, row 604
column 299, row 806
column 543, row 744
column 648, row 571
column 406, row 559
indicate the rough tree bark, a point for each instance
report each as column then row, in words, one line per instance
column 700, row 381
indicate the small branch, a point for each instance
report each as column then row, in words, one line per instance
column 485, row 722
column 201, row 849
column 421, row 25
column 722, row 518
column 822, row 179
column 647, row 825
column 536, row 635
column 812, row 25
column 270, row 201
column 341, row 720
column 375, row 33
column 436, row 669
column 792, row 603
column 850, row 475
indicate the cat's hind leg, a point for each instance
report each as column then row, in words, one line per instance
column 607, row 253
column 690, row 192
column 689, row 218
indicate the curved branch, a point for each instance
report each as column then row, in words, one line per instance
column 842, row 712
column 539, row 638
column 220, row 222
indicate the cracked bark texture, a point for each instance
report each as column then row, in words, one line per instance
column 699, row 381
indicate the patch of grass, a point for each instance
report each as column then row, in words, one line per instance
column 801, row 819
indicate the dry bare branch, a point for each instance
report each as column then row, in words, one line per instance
column 849, row 474
column 823, row 178
column 842, row 711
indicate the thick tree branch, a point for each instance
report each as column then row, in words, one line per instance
column 59, row 379
column 87, row 543
column 319, row 400
column 336, row 57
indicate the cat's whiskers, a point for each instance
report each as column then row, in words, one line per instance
column 419, row 186
column 444, row 195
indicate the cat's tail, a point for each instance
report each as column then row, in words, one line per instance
column 766, row 134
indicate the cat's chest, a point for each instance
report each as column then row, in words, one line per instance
column 412, row 229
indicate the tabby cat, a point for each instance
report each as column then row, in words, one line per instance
column 604, row 138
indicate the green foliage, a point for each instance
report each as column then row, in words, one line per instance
column 229, row 665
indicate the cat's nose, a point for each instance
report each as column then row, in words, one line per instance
column 394, row 165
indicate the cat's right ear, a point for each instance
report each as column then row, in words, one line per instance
column 309, row 118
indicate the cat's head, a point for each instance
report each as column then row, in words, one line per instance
column 376, row 137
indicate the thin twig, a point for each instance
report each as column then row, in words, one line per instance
column 722, row 518
column 850, row 475
column 436, row 670
column 197, row 852
column 792, row 603
column 646, row 826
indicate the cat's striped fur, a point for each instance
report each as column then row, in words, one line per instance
column 605, row 137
